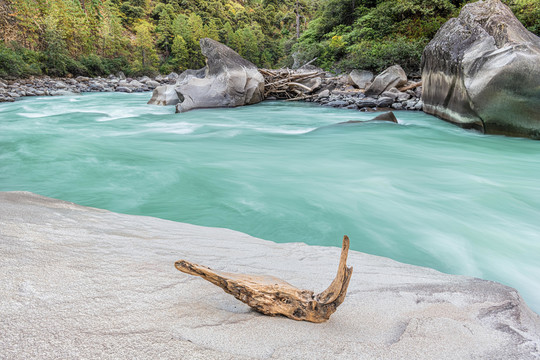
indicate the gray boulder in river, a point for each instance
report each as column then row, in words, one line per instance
column 482, row 71
column 164, row 95
column 228, row 81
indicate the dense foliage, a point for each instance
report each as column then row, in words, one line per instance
column 98, row 37
column 375, row 34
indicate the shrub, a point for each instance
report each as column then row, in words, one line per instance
column 115, row 65
column 379, row 55
column 62, row 65
column 93, row 64
column 18, row 62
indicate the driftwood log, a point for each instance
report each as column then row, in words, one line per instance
column 410, row 87
column 273, row 296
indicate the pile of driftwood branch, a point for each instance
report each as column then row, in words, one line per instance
column 290, row 84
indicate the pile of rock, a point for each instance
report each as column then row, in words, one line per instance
column 361, row 90
column 47, row 86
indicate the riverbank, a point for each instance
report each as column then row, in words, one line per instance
column 356, row 100
column 10, row 90
column 362, row 90
column 334, row 91
column 85, row 282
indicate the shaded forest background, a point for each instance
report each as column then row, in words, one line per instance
column 100, row 37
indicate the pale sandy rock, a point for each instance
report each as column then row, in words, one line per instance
column 361, row 78
column 152, row 84
column 313, row 84
column 135, row 83
column 145, row 79
column 164, row 95
column 394, row 76
column 86, row 283
column 324, row 94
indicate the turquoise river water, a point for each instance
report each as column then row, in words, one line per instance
column 422, row 191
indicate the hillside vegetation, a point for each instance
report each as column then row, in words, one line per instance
column 375, row 34
column 96, row 37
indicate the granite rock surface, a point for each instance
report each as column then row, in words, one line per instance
column 229, row 81
column 80, row 282
column 481, row 71
column 394, row 76
column 164, row 95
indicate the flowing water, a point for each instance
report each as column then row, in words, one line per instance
column 422, row 191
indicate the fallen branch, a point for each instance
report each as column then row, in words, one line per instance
column 410, row 87
column 299, row 85
column 273, row 296
column 301, row 98
column 309, row 62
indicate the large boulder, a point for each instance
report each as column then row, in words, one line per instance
column 229, row 80
column 164, row 95
column 394, row 76
column 361, row 78
column 481, row 71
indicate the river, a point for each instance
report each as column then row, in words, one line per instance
column 422, row 191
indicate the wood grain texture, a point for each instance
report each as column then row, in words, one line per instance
column 273, row 296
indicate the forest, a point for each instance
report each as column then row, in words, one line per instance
column 96, row 37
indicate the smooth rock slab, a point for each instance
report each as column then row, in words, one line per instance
column 79, row 282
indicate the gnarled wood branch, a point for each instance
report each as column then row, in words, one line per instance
column 273, row 296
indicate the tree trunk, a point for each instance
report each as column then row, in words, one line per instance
column 297, row 19
column 143, row 59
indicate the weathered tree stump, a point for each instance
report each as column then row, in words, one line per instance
column 273, row 296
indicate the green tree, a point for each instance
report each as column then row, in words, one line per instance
column 165, row 32
column 131, row 13
column 179, row 54
column 227, row 35
column 113, row 42
column 147, row 59
column 211, row 30
column 247, row 45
